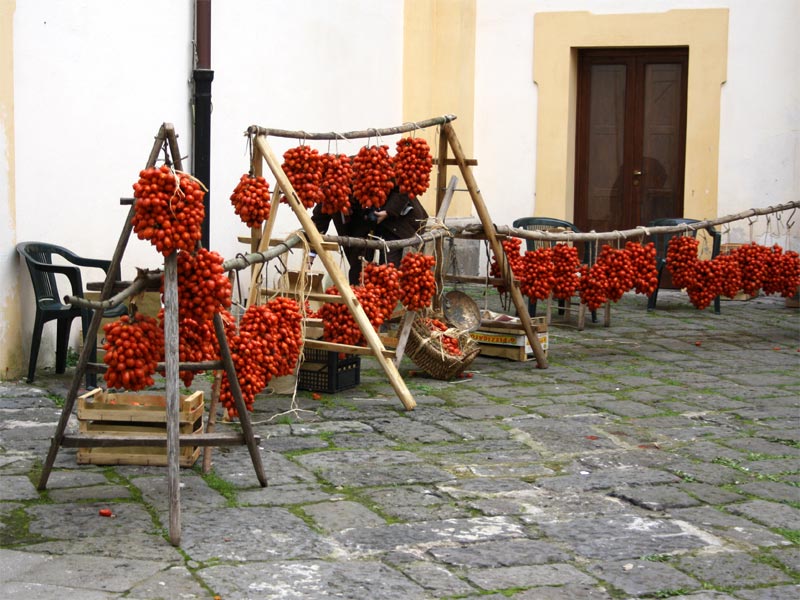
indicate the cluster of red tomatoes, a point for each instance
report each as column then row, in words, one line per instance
column 267, row 345
column 417, row 282
column 378, row 295
column 331, row 179
column 134, row 345
column 450, row 344
column 251, row 200
column 557, row 270
column 169, row 209
column 749, row 268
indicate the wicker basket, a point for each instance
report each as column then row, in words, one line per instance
column 424, row 348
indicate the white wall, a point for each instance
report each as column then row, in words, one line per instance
column 95, row 79
column 316, row 66
column 760, row 112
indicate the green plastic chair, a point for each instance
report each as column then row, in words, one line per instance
column 585, row 249
column 49, row 302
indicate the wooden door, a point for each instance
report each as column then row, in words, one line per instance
column 631, row 137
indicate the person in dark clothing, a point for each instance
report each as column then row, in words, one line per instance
column 354, row 224
column 399, row 219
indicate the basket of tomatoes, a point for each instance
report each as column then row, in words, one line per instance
column 442, row 351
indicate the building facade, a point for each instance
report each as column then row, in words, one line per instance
column 537, row 87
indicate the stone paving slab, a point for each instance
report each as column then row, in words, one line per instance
column 637, row 465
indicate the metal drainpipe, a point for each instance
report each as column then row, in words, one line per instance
column 202, row 75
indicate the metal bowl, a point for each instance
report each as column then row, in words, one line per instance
column 461, row 311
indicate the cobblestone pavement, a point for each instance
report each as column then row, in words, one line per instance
column 658, row 457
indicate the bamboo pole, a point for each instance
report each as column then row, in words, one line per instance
column 488, row 228
column 341, row 282
column 236, row 392
column 441, row 212
column 349, row 135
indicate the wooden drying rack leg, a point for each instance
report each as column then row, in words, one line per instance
column 341, row 282
column 497, row 249
column 236, row 391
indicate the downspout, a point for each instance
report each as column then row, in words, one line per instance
column 202, row 75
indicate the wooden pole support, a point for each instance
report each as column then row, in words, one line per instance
column 341, row 282
column 497, row 249
column 173, row 395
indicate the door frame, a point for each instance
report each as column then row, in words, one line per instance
column 633, row 140
column 557, row 38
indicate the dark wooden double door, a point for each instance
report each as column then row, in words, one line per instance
column 631, row 137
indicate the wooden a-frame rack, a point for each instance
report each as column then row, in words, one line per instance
column 260, row 240
column 174, row 439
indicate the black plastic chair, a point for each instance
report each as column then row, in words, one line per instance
column 585, row 249
column 50, row 305
column 661, row 241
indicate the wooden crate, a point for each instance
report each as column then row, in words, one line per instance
column 130, row 413
column 508, row 339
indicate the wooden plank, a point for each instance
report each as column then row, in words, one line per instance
column 470, row 162
column 77, row 440
column 346, row 348
column 480, row 280
column 402, row 338
column 314, row 296
column 441, row 178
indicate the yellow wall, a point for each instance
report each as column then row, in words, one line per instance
column 11, row 359
column 439, row 76
column 557, row 36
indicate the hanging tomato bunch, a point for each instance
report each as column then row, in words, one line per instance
column 594, row 285
column 169, row 209
column 511, row 250
column 682, row 259
column 417, row 282
column 705, row 284
column 336, row 184
column 618, row 271
column 413, row 164
column 536, row 273
column 303, row 166
column 134, row 345
column 267, row 345
column 204, row 288
column 729, row 274
column 566, row 271
column 378, row 297
column 783, row 275
column 251, row 200
column 197, row 342
column 373, row 176
column 643, row 263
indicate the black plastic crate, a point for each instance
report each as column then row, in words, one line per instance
column 325, row 371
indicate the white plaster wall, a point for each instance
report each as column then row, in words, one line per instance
column 760, row 118
column 316, row 66
column 94, row 80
